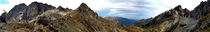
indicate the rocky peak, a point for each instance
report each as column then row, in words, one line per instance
column 178, row 7
column 201, row 10
column 181, row 12
column 16, row 11
column 83, row 5
column 60, row 8
column 22, row 4
column 170, row 15
column 186, row 10
column 35, row 9
column 19, row 6
column 83, row 9
column 41, row 5
column 35, row 3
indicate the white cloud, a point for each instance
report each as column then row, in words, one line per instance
column 114, row 11
column 154, row 6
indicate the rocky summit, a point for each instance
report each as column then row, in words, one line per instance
column 180, row 20
column 39, row 17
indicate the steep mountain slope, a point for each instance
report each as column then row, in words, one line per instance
column 35, row 9
column 17, row 11
column 165, row 22
column 202, row 14
column 201, row 10
column 181, row 20
column 169, row 15
column 40, row 17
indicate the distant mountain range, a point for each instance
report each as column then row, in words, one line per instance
column 39, row 17
column 124, row 21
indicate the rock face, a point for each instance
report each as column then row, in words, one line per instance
column 170, row 15
column 181, row 20
column 201, row 10
column 84, row 10
column 16, row 12
column 39, row 17
column 35, row 9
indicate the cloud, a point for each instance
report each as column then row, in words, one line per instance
column 141, row 9
column 133, row 9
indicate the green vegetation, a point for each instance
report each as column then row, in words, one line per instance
column 206, row 29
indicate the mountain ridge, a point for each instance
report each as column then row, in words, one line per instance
column 39, row 17
column 181, row 20
column 124, row 21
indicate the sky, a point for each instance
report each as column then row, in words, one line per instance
column 132, row 9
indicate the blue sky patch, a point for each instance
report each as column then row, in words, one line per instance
column 4, row 2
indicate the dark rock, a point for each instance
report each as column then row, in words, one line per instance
column 84, row 10
column 3, row 15
column 201, row 10
column 60, row 8
column 168, row 15
column 178, row 8
column 16, row 12
column 182, row 25
column 35, row 9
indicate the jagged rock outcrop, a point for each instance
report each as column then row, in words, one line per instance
column 201, row 10
column 182, row 20
column 35, row 9
column 39, row 17
column 17, row 12
column 63, row 9
column 178, row 11
column 167, row 21
column 84, row 10
column 202, row 14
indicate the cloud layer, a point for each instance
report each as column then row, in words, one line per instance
column 141, row 9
